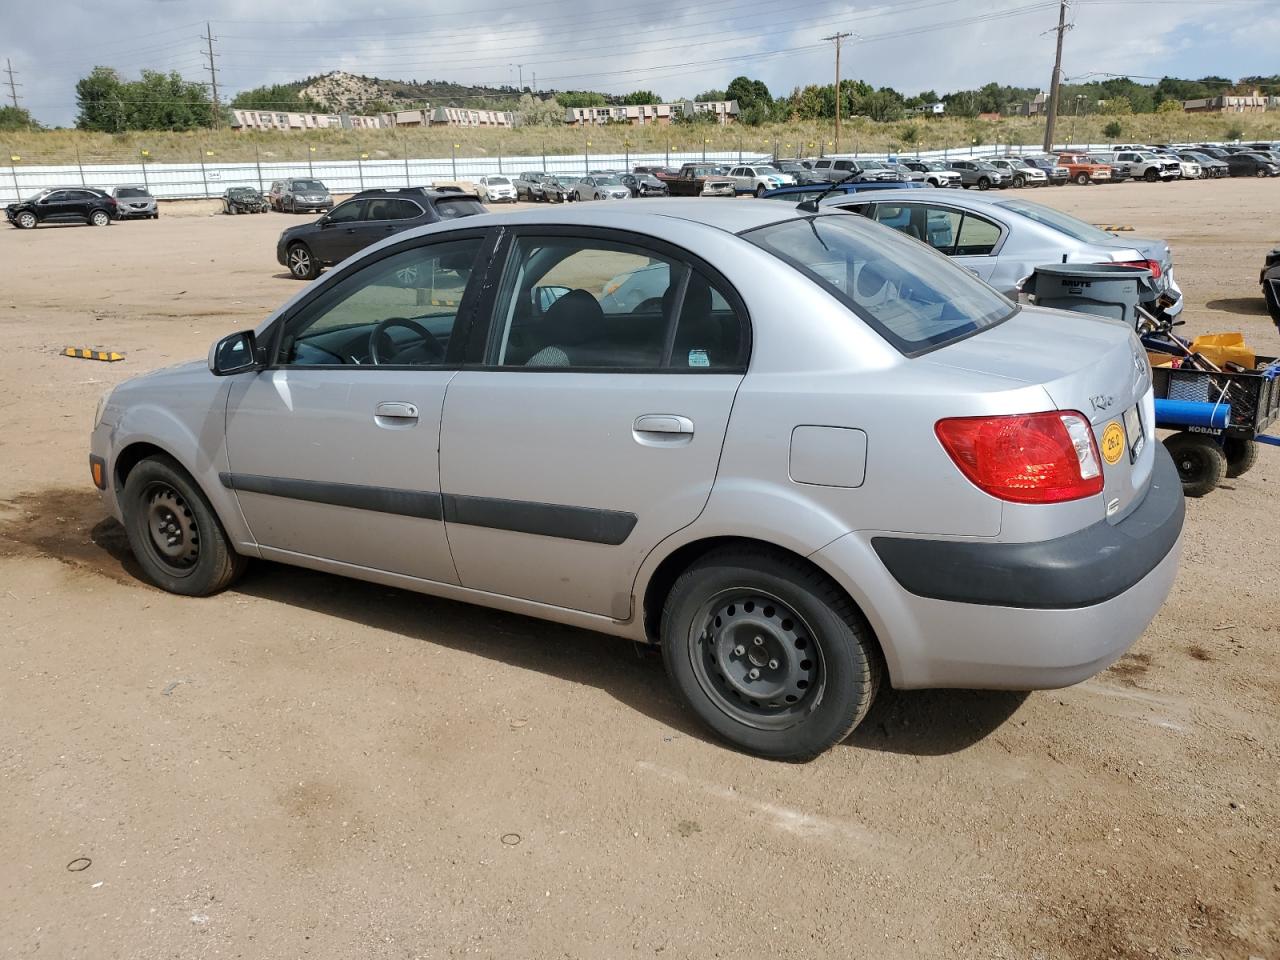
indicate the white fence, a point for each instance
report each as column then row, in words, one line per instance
column 176, row 181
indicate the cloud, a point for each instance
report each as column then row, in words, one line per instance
column 678, row 50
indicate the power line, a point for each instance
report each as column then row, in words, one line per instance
column 1055, row 82
column 213, row 76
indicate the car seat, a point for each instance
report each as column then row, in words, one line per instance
column 568, row 322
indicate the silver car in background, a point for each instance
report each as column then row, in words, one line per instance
column 134, row 202
column 1021, row 173
column 817, row 456
column 599, row 187
column 1002, row 239
column 935, row 172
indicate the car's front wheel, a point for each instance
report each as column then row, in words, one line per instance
column 100, row 218
column 1082, row 178
column 174, row 533
column 1019, row 181
column 1151, row 176
column 302, row 263
column 769, row 653
column 26, row 220
column 984, row 183
column 760, row 191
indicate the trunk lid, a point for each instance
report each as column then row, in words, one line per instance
column 1088, row 364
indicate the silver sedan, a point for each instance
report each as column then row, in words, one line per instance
column 1002, row 239
column 802, row 452
column 603, row 186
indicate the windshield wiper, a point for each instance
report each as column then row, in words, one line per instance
column 811, row 206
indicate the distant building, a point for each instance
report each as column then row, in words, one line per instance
column 1226, row 103
column 639, row 115
column 466, row 117
column 1034, row 107
column 936, row 109
column 276, row 120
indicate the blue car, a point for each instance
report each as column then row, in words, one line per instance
column 811, row 191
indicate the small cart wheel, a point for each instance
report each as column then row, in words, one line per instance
column 1241, row 455
column 1200, row 461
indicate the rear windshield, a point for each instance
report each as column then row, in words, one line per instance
column 1056, row 219
column 911, row 295
column 129, row 192
column 451, row 208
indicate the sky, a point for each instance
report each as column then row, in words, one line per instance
column 677, row 50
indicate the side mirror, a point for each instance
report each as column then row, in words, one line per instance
column 234, row 353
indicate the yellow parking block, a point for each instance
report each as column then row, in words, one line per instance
column 1114, row 228
column 444, row 303
column 83, row 353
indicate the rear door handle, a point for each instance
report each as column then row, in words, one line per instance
column 663, row 423
column 394, row 413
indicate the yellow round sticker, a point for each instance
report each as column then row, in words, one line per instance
column 1113, row 442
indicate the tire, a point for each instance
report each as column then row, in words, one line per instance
column 1200, row 461
column 26, row 220
column 1241, row 455
column 1273, row 304
column 984, row 183
column 1260, row 172
column 760, row 191
column 1019, row 181
column 302, row 262
column 1150, row 176
column 1082, row 178
column 577, row 196
column 100, row 218
column 798, row 626
column 156, row 215
column 293, row 206
column 174, row 533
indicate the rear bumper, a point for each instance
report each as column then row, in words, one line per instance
column 1017, row 616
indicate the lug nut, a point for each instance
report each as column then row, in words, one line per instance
column 739, row 650
column 773, row 664
column 759, row 641
column 753, row 675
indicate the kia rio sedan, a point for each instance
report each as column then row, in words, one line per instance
column 816, row 456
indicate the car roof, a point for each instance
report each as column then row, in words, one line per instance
column 959, row 198
column 731, row 216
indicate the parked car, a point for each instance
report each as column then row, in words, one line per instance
column 1021, row 174
column 1002, row 239
column 936, row 173
column 1270, row 280
column 134, row 202
column 243, row 200
column 63, row 205
column 496, row 189
column 606, row 187
column 1058, row 175
column 1120, row 172
column 980, row 174
column 785, row 470
column 802, row 193
column 759, row 179
column 698, row 180
column 855, row 171
column 1213, row 151
column 366, row 218
column 1253, row 165
column 540, row 186
column 644, row 185
column 1210, row 167
column 1083, row 170
column 906, row 173
column 799, row 171
column 1148, row 166
column 299, row 196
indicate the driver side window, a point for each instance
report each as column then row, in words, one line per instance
column 399, row 310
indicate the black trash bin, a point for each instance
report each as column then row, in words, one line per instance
column 1102, row 289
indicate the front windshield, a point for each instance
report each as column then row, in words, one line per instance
column 131, row 192
column 1056, row 219
column 872, row 165
column 648, row 179
column 37, row 195
column 937, row 165
column 1019, row 162
column 767, row 171
column 242, row 192
column 499, row 181
column 983, row 165
column 308, row 186
column 914, row 297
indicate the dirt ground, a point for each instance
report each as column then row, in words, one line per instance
column 306, row 766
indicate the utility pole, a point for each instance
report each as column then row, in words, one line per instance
column 520, row 67
column 1051, row 109
column 13, row 87
column 837, row 37
column 535, row 83
column 213, row 76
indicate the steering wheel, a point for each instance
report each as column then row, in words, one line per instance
column 382, row 348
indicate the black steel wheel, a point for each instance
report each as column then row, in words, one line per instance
column 173, row 531
column 1151, row 176
column 1201, row 463
column 769, row 653
column 1241, row 455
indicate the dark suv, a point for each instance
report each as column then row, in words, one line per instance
column 366, row 218
column 63, row 205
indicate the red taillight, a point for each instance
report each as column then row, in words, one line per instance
column 1152, row 265
column 1026, row 458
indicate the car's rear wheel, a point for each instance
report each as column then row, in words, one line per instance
column 302, row 262
column 1241, row 455
column 174, row 533
column 760, row 191
column 577, row 196
column 1082, row 178
column 100, row 218
column 26, row 220
column 769, row 653
column 1201, row 463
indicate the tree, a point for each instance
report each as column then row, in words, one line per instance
column 534, row 112
column 641, row 97
column 709, row 96
column 1169, row 106
column 1117, row 107
column 1234, row 133
column 1112, row 130
column 755, row 103
column 156, row 101
column 910, row 134
column 277, row 97
column 16, row 118
column 580, row 98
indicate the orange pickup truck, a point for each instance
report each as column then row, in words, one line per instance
column 1082, row 169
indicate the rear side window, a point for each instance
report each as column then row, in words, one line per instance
column 913, row 297
column 393, row 208
column 596, row 304
column 452, row 208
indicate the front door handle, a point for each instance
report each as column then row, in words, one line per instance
column 663, row 423
column 394, row 413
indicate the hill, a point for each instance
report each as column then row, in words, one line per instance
column 342, row 92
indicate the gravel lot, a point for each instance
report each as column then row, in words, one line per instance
column 311, row 767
